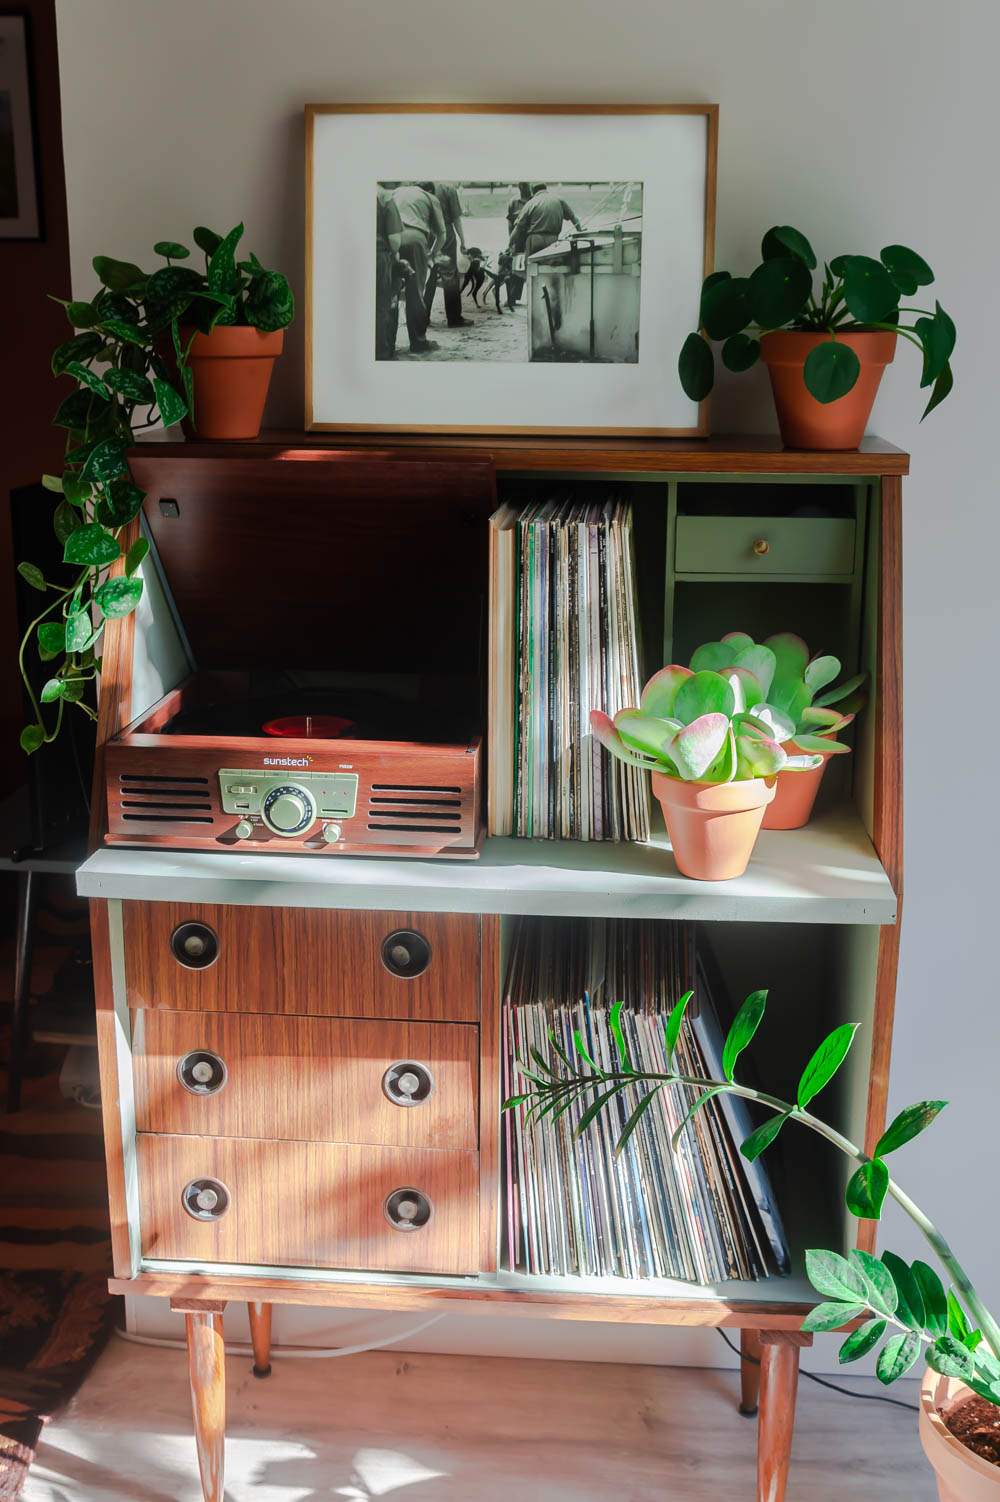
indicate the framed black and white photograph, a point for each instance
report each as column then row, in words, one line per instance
column 505, row 269
column 19, row 215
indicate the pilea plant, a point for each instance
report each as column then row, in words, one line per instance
column 794, row 690
column 131, row 372
column 905, row 1302
column 857, row 292
column 706, row 725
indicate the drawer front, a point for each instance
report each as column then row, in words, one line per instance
column 311, row 1079
column 765, row 545
column 305, row 961
column 304, row 1204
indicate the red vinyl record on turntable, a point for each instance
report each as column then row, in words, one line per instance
column 329, row 727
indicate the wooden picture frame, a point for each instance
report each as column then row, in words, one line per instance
column 598, row 351
column 20, row 195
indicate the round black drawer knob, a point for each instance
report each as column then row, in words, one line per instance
column 407, row 1083
column 202, row 1072
column 405, row 953
column 205, row 1199
column 194, row 945
column 408, row 1209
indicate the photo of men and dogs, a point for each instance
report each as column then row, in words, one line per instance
column 508, row 271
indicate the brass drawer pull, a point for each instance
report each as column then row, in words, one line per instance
column 205, row 1199
column 407, row 1084
column 408, row 1209
column 405, row 953
column 202, row 1072
column 761, row 546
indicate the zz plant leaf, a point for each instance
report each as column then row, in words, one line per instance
column 745, row 1024
column 825, row 1062
column 867, row 1189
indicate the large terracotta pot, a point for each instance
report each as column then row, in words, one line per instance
column 962, row 1476
column 794, row 794
column 712, row 825
column 232, row 368
column 806, row 423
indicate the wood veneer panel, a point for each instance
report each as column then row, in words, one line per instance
column 304, row 1204
column 490, row 1194
column 306, row 1078
column 304, row 961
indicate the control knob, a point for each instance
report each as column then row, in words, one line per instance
column 288, row 810
column 243, row 830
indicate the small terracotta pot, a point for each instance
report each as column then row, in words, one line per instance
column 962, row 1476
column 712, row 825
column 794, row 794
column 806, row 423
column 232, row 368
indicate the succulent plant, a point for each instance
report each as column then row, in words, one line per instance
column 706, row 724
column 792, row 686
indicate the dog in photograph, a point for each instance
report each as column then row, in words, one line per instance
column 480, row 272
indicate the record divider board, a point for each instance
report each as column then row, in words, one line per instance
column 868, row 608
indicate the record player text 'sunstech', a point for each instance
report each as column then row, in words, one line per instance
column 308, row 796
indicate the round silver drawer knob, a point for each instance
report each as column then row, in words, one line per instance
column 205, row 1199
column 194, row 945
column 405, row 953
column 202, row 1072
column 408, row 1209
column 407, row 1083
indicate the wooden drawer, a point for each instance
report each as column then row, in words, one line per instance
column 304, row 1204
column 817, row 546
column 309, row 961
column 313, row 1079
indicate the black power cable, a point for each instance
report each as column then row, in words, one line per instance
column 869, row 1397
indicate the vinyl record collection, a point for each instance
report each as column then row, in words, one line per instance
column 564, row 641
column 701, row 1214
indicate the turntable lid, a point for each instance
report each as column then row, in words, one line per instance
column 374, row 560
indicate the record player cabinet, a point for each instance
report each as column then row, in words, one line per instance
column 300, row 1056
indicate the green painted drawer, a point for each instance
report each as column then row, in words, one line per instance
column 765, row 545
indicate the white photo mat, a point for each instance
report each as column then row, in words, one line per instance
column 349, row 150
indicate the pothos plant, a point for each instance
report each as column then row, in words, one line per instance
column 903, row 1308
column 130, row 366
column 856, row 293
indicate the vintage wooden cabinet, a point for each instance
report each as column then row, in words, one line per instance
column 300, row 1054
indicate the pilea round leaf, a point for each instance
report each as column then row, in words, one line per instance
column 725, row 309
column 778, row 291
column 937, row 335
column 172, row 250
column 942, row 387
column 830, row 371
column 740, row 352
column 118, row 597
column 869, row 291
column 783, row 240
column 696, row 367
column 91, row 544
column 900, row 260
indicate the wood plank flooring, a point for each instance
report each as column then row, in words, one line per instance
column 431, row 1428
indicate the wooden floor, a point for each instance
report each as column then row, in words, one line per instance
column 463, row 1429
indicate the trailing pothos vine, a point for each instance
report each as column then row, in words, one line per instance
column 905, row 1302
column 129, row 360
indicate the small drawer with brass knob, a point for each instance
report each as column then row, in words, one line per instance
column 818, row 547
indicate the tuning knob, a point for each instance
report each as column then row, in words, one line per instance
column 288, row 810
column 243, row 830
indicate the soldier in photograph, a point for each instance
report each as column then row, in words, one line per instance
column 388, row 234
column 540, row 222
column 422, row 237
column 447, row 261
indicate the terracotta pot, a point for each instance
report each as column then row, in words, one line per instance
column 806, row 423
column 232, row 368
column 712, row 825
column 794, row 794
column 962, row 1476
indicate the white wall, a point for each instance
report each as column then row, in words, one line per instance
column 863, row 123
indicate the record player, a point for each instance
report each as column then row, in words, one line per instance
column 369, row 575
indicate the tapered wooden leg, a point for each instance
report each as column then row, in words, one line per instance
column 207, row 1366
column 750, row 1349
column 260, row 1334
column 779, row 1376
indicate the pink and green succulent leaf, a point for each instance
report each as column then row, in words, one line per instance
column 821, row 744
column 604, row 729
column 723, row 768
column 738, row 639
column 695, row 748
column 746, row 688
column 645, row 733
column 791, row 658
column 770, row 721
column 761, row 662
column 842, row 690
column 823, row 721
column 758, row 756
column 660, row 692
column 802, row 763
column 704, row 693
column 711, row 656
column 820, row 672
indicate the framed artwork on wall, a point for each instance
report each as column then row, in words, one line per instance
column 19, row 213
column 506, row 269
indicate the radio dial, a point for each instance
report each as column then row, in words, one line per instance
column 289, row 810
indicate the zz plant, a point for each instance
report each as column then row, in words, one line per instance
column 131, row 371
column 856, row 293
column 798, row 689
column 903, row 1308
column 707, row 725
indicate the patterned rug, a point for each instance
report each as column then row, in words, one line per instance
column 55, row 1310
